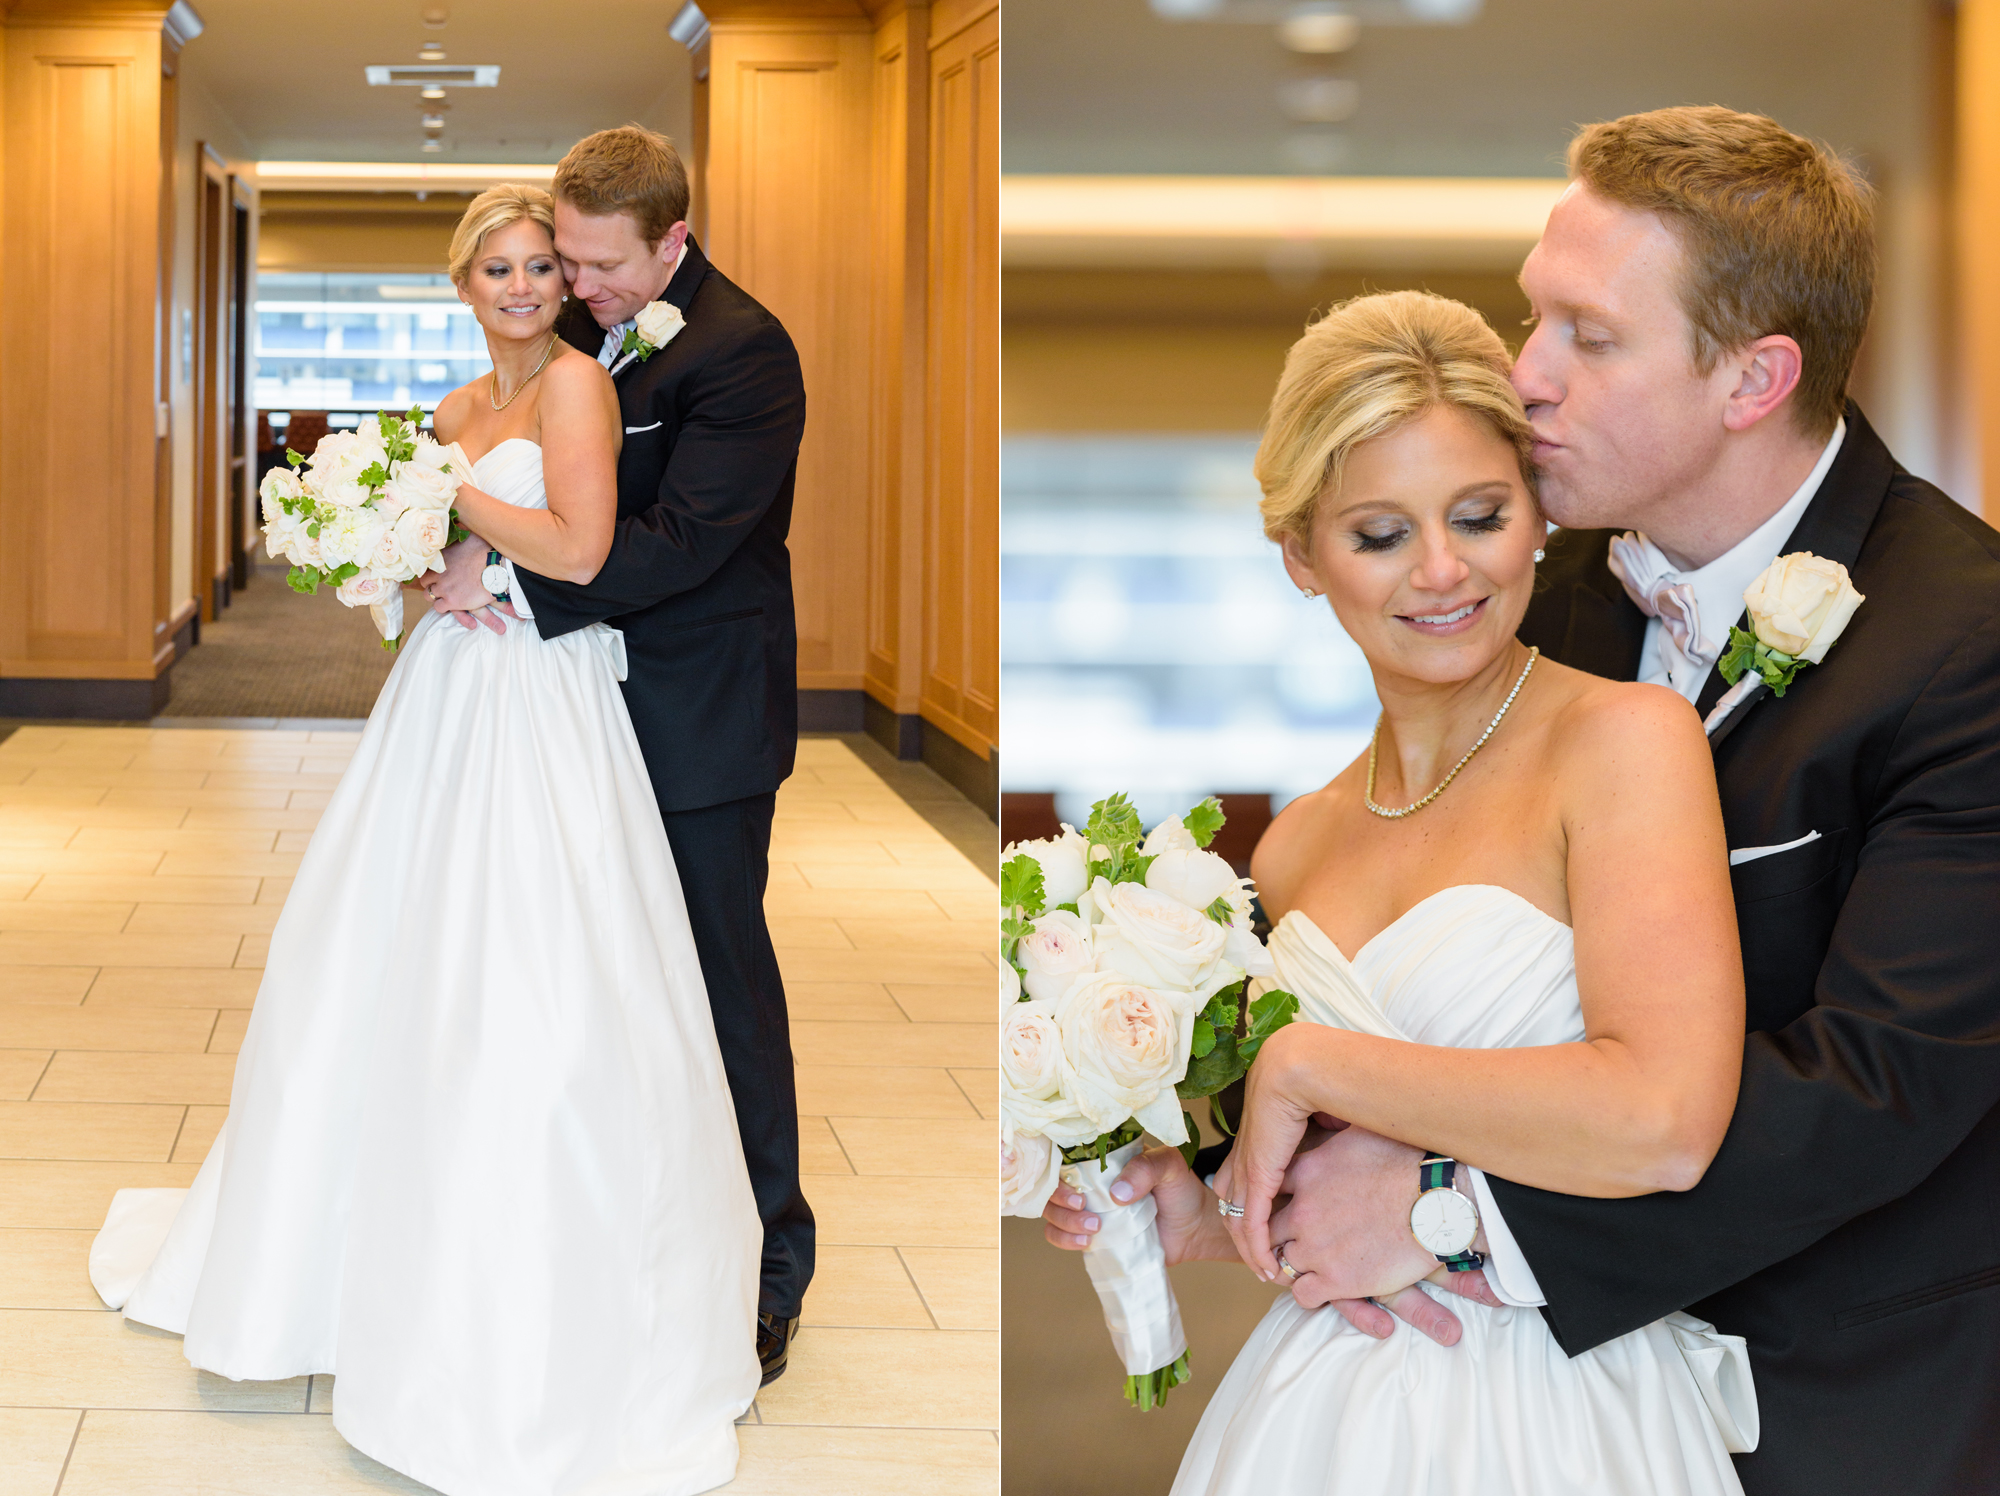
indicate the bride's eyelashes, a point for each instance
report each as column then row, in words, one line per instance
column 1490, row 522
column 537, row 268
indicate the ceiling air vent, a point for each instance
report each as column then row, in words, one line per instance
column 439, row 74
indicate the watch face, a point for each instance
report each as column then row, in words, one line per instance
column 1444, row 1221
column 494, row 579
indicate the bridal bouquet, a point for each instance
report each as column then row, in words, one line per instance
column 367, row 512
column 1127, row 958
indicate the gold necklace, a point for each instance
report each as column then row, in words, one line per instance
column 1368, row 795
column 494, row 384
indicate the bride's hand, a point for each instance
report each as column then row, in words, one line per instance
column 1278, row 1106
column 1190, row 1230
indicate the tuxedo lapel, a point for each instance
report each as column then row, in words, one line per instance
column 1604, row 635
column 680, row 291
column 1833, row 527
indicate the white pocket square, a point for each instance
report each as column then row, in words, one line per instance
column 1750, row 854
column 635, row 430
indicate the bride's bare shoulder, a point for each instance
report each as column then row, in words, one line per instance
column 448, row 420
column 1293, row 845
column 1604, row 731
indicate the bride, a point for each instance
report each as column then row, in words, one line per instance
column 480, row 1159
column 1510, row 929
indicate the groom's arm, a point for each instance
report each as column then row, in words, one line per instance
column 1859, row 1100
column 738, row 441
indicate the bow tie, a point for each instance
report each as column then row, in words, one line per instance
column 1658, row 591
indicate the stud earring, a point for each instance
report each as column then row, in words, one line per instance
column 1307, row 592
column 1539, row 554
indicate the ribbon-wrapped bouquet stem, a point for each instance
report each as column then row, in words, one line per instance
column 1123, row 994
column 367, row 512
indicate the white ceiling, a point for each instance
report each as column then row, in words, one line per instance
column 1107, row 86
column 289, row 74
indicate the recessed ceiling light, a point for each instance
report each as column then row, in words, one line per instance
column 435, row 75
column 431, row 51
column 436, row 16
column 433, row 93
column 1320, row 101
column 433, row 122
column 433, row 144
column 1319, row 30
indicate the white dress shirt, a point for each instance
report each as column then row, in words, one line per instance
column 1718, row 589
column 614, row 343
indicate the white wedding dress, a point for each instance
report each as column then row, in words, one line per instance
column 480, row 1160
column 1313, row 1407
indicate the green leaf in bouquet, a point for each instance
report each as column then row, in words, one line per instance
column 1192, row 1144
column 1217, row 1070
column 1224, row 1008
column 1219, row 1117
column 374, row 475
column 1204, row 1039
column 294, row 458
column 1149, row 1391
column 345, row 570
column 1221, row 912
column 1098, row 1148
column 1268, row 1014
column 1204, row 821
column 303, row 579
column 1114, row 825
column 1022, row 886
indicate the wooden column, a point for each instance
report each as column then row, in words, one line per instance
column 786, row 187
column 1978, row 266
column 86, row 621
column 961, row 665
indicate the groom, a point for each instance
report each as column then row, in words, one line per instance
column 1701, row 292
column 699, row 581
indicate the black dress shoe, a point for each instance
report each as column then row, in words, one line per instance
column 774, row 1345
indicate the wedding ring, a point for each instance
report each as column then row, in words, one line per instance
column 1230, row 1209
column 1285, row 1267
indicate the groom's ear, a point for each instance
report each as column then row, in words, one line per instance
column 1767, row 374
column 670, row 242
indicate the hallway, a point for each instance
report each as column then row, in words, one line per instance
column 141, row 872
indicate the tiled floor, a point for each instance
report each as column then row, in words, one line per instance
column 140, row 874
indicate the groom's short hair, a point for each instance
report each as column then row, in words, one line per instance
column 1777, row 233
column 627, row 170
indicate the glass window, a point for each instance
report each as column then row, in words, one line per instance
column 1150, row 639
column 362, row 341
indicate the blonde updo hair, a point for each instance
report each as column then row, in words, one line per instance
column 1367, row 367
column 496, row 208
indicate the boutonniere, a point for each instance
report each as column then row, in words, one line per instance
column 1799, row 605
column 658, row 324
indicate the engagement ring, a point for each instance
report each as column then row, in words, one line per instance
column 1230, row 1209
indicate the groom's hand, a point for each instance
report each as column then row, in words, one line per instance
column 1190, row 1230
column 1347, row 1231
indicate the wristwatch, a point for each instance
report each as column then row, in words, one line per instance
column 494, row 578
column 1444, row 1222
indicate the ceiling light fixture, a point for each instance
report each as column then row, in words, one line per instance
column 421, row 75
column 1319, row 29
column 431, row 51
column 433, row 122
column 1319, row 101
column 436, row 16
column 431, row 92
column 433, row 144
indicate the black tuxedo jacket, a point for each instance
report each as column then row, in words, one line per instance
column 1850, row 1225
column 698, row 577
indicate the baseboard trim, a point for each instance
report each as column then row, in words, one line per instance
column 975, row 777
column 830, row 711
column 85, row 700
column 900, row 735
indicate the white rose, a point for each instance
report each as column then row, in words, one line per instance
column 1030, row 1169
column 414, row 486
column 1127, row 1046
column 349, row 536
column 302, row 549
column 1154, row 938
column 390, row 559
column 344, row 491
column 660, row 322
column 1169, row 836
column 280, row 534
column 364, row 590
column 422, row 534
column 332, row 446
column 1031, row 1052
column 1064, row 863
column 1010, row 986
column 1055, row 953
column 429, row 454
column 1057, row 1118
column 279, row 484
column 1800, row 603
column 1196, row 878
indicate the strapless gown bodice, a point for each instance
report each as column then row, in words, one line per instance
column 1313, row 1407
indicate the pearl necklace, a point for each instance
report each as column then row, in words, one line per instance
column 1368, row 795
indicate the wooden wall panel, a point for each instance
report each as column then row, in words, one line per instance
column 961, row 583
column 78, row 476
column 787, row 183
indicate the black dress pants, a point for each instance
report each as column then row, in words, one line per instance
column 723, row 853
